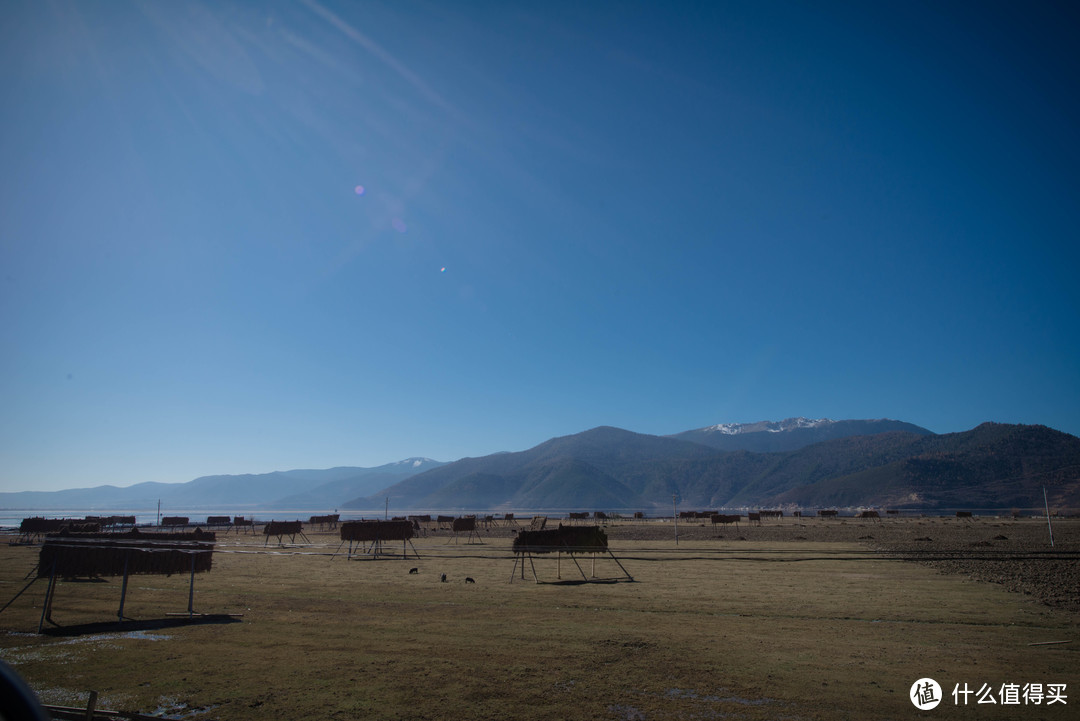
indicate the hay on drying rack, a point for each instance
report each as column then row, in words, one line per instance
column 570, row 540
column 42, row 525
column 33, row 528
column 329, row 521
column 239, row 522
column 376, row 533
column 67, row 555
column 280, row 529
column 112, row 521
column 465, row 525
column 368, row 531
column 93, row 555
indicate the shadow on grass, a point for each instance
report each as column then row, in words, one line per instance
column 581, row 582
column 127, row 626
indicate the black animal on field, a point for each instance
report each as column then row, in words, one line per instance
column 469, row 580
column 414, row 570
column 443, row 579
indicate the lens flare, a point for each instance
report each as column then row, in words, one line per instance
column 399, row 225
column 359, row 190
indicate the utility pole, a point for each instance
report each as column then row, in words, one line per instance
column 1047, row 503
column 386, row 513
column 675, row 515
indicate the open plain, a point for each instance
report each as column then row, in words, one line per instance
column 794, row 619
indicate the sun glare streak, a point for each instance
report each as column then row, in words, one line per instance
column 385, row 57
column 210, row 42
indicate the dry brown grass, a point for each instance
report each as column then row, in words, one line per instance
column 713, row 628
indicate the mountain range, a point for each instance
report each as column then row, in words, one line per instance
column 793, row 463
column 991, row 466
column 293, row 490
column 790, row 434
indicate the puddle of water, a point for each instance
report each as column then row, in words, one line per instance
column 144, row 636
column 16, row 656
column 171, row 709
column 100, row 637
column 67, row 697
column 53, row 651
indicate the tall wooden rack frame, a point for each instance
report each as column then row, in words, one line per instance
column 122, row 555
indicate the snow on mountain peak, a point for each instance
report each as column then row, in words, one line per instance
column 414, row 462
column 787, row 424
column 728, row 429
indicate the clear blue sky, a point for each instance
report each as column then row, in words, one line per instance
column 652, row 215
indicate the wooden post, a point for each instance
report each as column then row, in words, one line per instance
column 50, row 590
column 191, row 590
column 619, row 564
column 579, row 568
column 32, row 582
column 91, row 704
column 123, row 588
column 675, row 515
column 1048, row 518
column 334, row 555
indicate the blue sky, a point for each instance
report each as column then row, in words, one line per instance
column 243, row 237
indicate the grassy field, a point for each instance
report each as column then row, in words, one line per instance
column 734, row 627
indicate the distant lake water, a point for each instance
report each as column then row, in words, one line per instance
column 11, row 518
column 149, row 516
